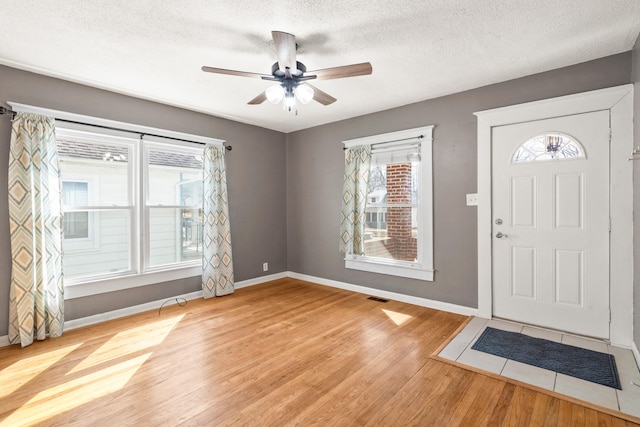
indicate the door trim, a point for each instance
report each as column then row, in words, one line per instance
column 619, row 101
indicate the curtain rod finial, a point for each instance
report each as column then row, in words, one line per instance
column 7, row 111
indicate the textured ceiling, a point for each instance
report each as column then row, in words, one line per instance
column 419, row 49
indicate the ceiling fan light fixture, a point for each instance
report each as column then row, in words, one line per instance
column 304, row 93
column 275, row 93
column 289, row 103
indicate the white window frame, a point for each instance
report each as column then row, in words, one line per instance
column 423, row 268
column 108, row 129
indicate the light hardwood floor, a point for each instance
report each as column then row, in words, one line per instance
column 282, row 353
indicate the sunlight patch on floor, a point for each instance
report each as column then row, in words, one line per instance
column 130, row 341
column 398, row 318
column 90, row 385
column 21, row 372
column 70, row 395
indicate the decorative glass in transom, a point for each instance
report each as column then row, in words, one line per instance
column 548, row 146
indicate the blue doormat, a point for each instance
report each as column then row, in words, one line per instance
column 589, row 365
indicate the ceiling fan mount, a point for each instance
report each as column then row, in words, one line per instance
column 291, row 78
column 298, row 72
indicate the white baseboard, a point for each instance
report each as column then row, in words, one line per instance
column 261, row 279
column 423, row 302
column 4, row 340
column 127, row 311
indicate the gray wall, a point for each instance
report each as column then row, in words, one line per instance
column 635, row 77
column 315, row 167
column 256, row 176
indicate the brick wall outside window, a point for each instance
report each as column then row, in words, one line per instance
column 401, row 244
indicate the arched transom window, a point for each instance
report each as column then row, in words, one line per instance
column 548, row 146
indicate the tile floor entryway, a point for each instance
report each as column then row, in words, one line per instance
column 626, row 400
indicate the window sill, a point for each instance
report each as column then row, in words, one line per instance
column 375, row 266
column 84, row 289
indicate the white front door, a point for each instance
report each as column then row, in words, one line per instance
column 550, row 196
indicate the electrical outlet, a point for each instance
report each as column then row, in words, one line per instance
column 472, row 199
column 265, row 266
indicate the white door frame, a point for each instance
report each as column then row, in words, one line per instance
column 619, row 100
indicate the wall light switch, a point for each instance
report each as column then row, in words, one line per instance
column 472, row 199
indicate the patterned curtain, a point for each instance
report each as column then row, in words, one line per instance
column 36, row 296
column 354, row 199
column 217, row 262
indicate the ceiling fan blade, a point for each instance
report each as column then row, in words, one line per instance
column 322, row 97
column 285, row 50
column 353, row 70
column 232, row 72
column 258, row 99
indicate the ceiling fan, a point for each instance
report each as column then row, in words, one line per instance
column 292, row 76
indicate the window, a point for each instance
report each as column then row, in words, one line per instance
column 548, row 146
column 392, row 206
column 398, row 213
column 131, row 206
column 98, row 226
column 173, row 210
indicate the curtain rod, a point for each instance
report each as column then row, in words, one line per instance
column 8, row 111
column 394, row 140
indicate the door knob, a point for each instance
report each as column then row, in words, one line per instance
column 501, row 235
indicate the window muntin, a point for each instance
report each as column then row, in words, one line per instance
column 548, row 146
